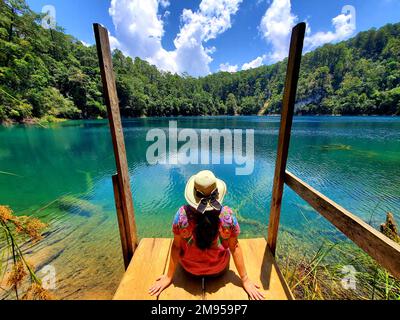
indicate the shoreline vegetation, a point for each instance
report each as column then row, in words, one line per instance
column 46, row 121
column 335, row 270
column 51, row 120
column 49, row 75
column 330, row 267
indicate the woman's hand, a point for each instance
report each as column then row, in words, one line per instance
column 252, row 289
column 161, row 284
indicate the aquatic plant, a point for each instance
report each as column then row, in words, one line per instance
column 14, row 268
column 322, row 273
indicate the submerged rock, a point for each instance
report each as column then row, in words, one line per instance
column 336, row 147
column 78, row 206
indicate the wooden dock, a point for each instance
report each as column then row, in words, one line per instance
column 151, row 261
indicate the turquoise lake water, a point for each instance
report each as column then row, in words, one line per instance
column 62, row 174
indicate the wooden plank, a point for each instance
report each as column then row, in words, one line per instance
column 289, row 98
column 112, row 103
column 183, row 287
column 227, row 286
column 384, row 250
column 121, row 223
column 263, row 270
column 148, row 264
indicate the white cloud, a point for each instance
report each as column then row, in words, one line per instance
column 139, row 31
column 212, row 19
column 114, row 43
column 140, row 28
column 278, row 21
column 276, row 26
column 226, row 67
column 166, row 14
column 255, row 63
column 344, row 28
column 165, row 3
column 85, row 43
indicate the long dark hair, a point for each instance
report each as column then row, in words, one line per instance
column 207, row 228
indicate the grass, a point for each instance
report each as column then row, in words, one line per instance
column 320, row 273
column 315, row 261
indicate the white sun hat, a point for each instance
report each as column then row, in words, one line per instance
column 205, row 192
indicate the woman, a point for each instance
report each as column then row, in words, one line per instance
column 205, row 234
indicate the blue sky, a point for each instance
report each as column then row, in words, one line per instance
column 205, row 36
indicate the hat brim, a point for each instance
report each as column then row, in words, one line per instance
column 193, row 201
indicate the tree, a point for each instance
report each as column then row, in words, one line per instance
column 249, row 106
column 231, row 104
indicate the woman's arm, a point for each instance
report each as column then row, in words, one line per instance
column 251, row 288
column 164, row 281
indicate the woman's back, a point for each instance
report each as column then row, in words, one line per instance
column 196, row 259
column 206, row 234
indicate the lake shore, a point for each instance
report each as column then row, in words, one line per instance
column 53, row 120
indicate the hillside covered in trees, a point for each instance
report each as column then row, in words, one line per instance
column 48, row 74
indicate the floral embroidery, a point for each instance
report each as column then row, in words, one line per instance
column 227, row 219
column 181, row 225
column 229, row 226
column 183, row 220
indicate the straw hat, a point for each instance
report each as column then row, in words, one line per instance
column 205, row 192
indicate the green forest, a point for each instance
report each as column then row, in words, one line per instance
column 47, row 74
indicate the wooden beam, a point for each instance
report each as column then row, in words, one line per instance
column 114, row 117
column 121, row 222
column 384, row 250
column 292, row 76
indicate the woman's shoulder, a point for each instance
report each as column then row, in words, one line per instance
column 181, row 216
column 227, row 216
column 226, row 211
column 229, row 224
column 181, row 225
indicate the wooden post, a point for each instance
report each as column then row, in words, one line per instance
column 122, row 188
column 292, row 76
column 121, row 222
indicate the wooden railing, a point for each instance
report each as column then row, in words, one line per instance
column 384, row 250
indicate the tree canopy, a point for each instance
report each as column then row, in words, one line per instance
column 47, row 73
